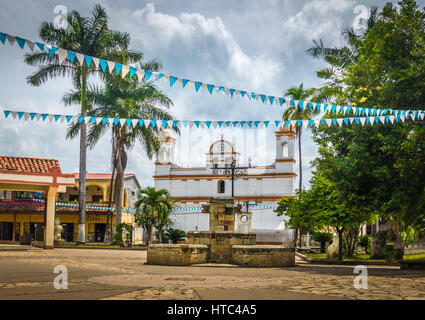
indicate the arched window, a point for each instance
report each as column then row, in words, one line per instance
column 285, row 150
column 221, row 187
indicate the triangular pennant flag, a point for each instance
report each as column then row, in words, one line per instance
column 11, row 39
column 103, row 64
column 88, row 59
column 71, row 56
column 184, row 82
column 148, row 74
column 134, row 122
column 172, row 80
column 317, row 122
column 111, row 66
column 125, row 71
column 128, row 122
column 62, row 54
column 96, row 62
column 153, row 123
column 210, row 88
column 362, row 120
column 122, row 122
column 311, row 123
column 339, row 120
column 305, row 123
column 2, row 37
column 57, row 117
column 328, row 122
column 98, row 120
column 197, row 85
column 141, row 123
column 21, row 42
column 118, row 67
column 26, row 116
column 6, row 113
column 140, row 74
column 52, row 51
column 133, row 71
column 80, row 58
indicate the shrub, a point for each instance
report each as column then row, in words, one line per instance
column 322, row 237
column 175, row 235
column 118, row 232
column 364, row 241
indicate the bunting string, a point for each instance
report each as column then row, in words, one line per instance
column 213, row 124
column 115, row 68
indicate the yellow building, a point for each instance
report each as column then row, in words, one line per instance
column 23, row 212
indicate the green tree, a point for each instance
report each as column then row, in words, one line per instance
column 154, row 207
column 130, row 99
column 86, row 35
column 295, row 112
column 340, row 59
column 380, row 169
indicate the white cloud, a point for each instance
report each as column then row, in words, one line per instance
column 197, row 38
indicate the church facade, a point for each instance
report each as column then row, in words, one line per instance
column 262, row 185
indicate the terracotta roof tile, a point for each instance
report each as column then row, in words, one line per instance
column 27, row 165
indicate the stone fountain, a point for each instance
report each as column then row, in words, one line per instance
column 221, row 244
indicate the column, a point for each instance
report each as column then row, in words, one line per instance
column 50, row 219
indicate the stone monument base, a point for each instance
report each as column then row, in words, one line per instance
column 176, row 254
column 220, row 243
column 263, row 256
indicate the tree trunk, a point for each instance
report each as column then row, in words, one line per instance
column 83, row 157
column 340, row 233
column 111, row 185
column 149, row 231
column 300, row 164
column 295, row 238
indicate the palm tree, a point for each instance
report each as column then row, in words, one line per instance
column 340, row 59
column 85, row 35
column 296, row 113
column 154, row 207
column 130, row 99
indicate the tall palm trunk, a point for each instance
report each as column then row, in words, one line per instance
column 83, row 157
column 111, row 186
column 300, row 184
column 300, row 161
column 119, row 180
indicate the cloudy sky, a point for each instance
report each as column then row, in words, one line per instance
column 252, row 45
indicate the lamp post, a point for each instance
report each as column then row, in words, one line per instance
column 233, row 171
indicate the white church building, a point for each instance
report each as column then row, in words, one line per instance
column 261, row 186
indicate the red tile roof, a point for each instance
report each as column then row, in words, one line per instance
column 27, row 165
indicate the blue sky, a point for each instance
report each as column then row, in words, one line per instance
column 252, row 45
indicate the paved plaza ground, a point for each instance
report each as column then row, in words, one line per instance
column 27, row 273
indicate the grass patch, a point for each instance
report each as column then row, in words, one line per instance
column 362, row 257
column 418, row 256
column 359, row 257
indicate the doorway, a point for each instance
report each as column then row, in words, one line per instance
column 68, row 232
column 99, row 232
column 6, row 231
